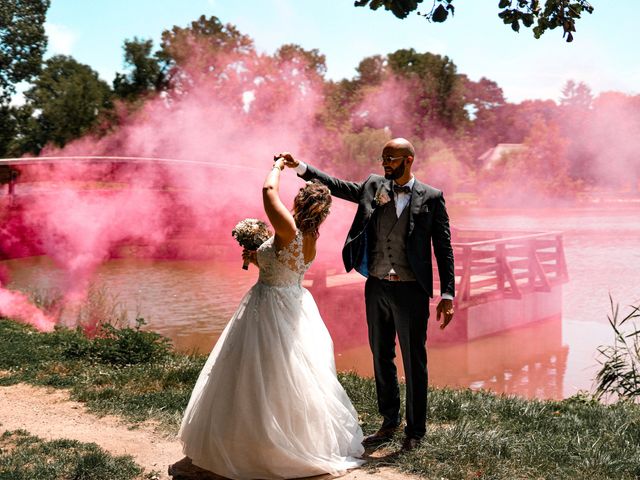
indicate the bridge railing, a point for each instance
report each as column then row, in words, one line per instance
column 492, row 265
column 489, row 265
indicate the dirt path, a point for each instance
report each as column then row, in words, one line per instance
column 50, row 414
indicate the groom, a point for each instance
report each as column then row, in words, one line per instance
column 389, row 242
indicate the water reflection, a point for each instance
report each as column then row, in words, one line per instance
column 529, row 361
column 191, row 301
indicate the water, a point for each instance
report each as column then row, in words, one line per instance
column 190, row 301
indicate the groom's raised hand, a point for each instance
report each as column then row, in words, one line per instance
column 445, row 310
column 289, row 161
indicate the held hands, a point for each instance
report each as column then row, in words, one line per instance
column 250, row 256
column 288, row 159
column 278, row 162
column 444, row 309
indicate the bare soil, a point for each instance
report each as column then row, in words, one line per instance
column 51, row 414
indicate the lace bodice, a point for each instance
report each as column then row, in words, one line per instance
column 285, row 267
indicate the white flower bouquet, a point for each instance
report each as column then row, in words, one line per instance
column 250, row 234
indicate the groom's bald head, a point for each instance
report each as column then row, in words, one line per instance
column 400, row 147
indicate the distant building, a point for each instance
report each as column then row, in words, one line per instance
column 494, row 156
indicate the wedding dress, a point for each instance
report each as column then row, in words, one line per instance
column 267, row 403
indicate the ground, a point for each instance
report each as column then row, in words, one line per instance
column 50, row 414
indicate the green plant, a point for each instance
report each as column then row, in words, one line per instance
column 25, row 457
column 128, row 346
column 619, row 375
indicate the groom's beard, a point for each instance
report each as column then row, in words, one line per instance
column 395, row 173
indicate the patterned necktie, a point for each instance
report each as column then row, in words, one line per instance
column 401, row 189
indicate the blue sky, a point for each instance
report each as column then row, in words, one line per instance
column 604, row 53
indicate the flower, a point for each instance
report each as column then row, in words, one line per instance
column 251, row 233
column 381, row 197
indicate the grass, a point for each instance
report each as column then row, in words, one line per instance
column 471, row 434
column 25, row 457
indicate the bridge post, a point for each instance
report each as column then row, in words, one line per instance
column 500, row 261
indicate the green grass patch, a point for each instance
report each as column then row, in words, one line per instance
column 25, row 457
column 471, row 434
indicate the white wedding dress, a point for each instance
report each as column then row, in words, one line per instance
column 267, row 403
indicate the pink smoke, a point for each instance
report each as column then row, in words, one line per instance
column 81, row 214
column 226, row 128
column 17, row 306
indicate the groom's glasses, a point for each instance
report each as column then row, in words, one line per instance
column 386, row 159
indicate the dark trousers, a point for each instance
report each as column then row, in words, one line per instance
column 400, row 308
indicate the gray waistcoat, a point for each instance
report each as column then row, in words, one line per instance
column 389, row 249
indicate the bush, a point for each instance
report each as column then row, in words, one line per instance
column 117, row 346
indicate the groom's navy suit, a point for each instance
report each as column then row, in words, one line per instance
column 397, row 307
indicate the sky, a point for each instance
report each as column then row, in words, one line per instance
column 603, row 54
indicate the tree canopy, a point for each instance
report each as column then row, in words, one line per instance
column 64, row 103
column 146, row 70
column 546, row 15
column 22, row 42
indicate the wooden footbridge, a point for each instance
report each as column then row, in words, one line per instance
column 504, row 280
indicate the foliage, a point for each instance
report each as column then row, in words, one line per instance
column 202, row 48
column 146, row 71
column 619, row 375
column 22, row 42
column 65, row 102
column 547, row 16
column 8, row 128
column 576, row 95
column 438, row 91
column 309, row 61
column 437, row 161
column 360, row 151
column 117, row 346
column 25, row 457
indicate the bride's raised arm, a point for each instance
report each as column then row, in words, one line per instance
column 279, row 216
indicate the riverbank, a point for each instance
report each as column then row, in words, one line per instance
column 134, row 378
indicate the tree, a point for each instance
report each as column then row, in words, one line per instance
column 437, row 96
column 65, row 102
column 553, row 14
column 576, row 95
column 8, row 128
column 146, row 71
column 310, row 61
column 22, row 42
column 196, row 49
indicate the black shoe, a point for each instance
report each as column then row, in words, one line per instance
column 383, row 435
column 410, row 444
column 181, row 467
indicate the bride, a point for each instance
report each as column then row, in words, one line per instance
column 267, row 403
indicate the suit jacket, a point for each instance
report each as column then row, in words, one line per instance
column 428, row 223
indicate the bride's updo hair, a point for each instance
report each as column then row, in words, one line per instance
column 311, row 206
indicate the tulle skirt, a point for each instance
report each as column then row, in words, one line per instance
column 267, row 403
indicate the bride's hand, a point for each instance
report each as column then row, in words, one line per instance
column 250, row 256
column 289, row 161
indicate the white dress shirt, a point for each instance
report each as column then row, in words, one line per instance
column 403, row 199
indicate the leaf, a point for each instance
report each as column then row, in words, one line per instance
column 515, row 26
column 504, row 3
column 440, row 14
column 527, row 20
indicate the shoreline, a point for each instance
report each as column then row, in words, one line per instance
column 132, row 377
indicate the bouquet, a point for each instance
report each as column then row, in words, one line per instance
column 250, row 234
